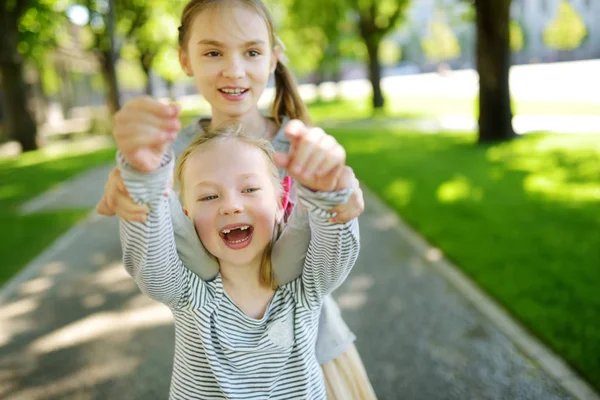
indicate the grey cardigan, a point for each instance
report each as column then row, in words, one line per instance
column 288, row 255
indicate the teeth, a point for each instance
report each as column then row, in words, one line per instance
column 243, row 228
column 236, row 91
column 239, row 241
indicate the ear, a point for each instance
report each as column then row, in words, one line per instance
column 184, row 60
column 186, row 212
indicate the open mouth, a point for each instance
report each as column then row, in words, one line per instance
column 233, row 91
column 237, row 234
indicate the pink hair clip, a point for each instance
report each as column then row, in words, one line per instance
column 286, row 204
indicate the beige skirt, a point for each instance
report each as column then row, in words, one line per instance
column 346, row 378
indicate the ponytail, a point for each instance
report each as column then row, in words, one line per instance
column 287, row 100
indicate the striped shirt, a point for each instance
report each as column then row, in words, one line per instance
column 220, row 353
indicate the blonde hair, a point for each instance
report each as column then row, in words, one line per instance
column 287, row 100
column 234, row 131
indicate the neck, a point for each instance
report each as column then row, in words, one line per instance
column 241, row 276
column 252, row 121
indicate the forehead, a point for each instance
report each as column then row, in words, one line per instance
column 226, row 159
column 230, row 23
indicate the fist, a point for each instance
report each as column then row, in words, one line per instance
column 143, row 128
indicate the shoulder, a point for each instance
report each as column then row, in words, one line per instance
column 185, row 136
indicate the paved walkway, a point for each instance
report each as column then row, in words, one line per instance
column 74, row 326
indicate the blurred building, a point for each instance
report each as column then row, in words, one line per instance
column 533, row 16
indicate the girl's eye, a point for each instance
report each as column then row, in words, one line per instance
column 207, row 198
column 251, row 190
column 253, row 53
column 212, row 54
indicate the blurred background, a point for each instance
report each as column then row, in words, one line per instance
column 477, row 122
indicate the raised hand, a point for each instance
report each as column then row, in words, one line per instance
column 316, row 160
column 143, row 129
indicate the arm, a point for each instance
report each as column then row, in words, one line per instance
column 189, row 247
column 333, row 248
column 149, row 252
column 289, row 251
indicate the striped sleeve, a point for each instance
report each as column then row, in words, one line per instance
column 333, row 248
column 149, row 252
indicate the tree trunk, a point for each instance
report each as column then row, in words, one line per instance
column 372, row 43
column 170, row 87
column 18, row 121
column 146, row 62
column 110, row 79
column 493, row 64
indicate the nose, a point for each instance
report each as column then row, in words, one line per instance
column 230, row 205
column 234, row 68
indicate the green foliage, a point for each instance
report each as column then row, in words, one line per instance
column 516, row 36
column 390, row 52
column 166, row 64
column 441, row 43
column 42, row 27
column 567, row 30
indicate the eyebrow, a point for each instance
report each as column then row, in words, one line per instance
column 216, row 43
column 241, row 177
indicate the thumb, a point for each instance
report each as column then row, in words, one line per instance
column 344, row 180
column 281, row 159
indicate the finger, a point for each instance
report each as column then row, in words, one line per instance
column 143, row 117
column 132, row 217
column 140, row 136
column 294, row 130
column 315, row 163
column 127, row 207
column 155, row 107
column 103, row 209
column 335, row 158
column 281, row 159
column 345, row 178
column 306, row 148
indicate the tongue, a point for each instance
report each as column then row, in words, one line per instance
column 237, row 234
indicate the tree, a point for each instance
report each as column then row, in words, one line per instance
column 372, row 19
column 28, row 30
column 376, row 19
column 441, row 43
column 566, row 31
column 492, row 19
column 101, row 23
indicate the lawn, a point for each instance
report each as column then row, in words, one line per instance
column 521, row 218
column 428, row 107
column 23, row 237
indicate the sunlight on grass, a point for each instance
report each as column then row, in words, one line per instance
column 24, row 236
column 401, row 190
column 560, row 168
column 521, row 218
column 457, row 189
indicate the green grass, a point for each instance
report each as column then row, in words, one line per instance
column 23, row 237
column 521, row 218
column 428, row 106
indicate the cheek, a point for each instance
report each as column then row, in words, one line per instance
column 204, row 227
column 261, row 71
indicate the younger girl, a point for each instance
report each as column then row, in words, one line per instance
column 237, row 337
